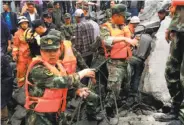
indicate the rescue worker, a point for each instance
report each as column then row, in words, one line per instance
column 136, row 63
column 21, row 51
column 47, row 18
column 47, row 75
column 68, row 29
column 73, row 61
column 39, row 27
column 113, row 35
column 130, row 28
column 109, row 11
column 174, row 71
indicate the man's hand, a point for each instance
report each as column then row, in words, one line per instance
column 142, row 10
column 83, row 92
column 93, row 80
column 87, row 73
column 172, row 35
column 9, row 48
column 167, row 35
column 15, row 58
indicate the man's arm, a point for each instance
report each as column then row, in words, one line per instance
column 8, row 35
column 42, row 77
column 80, row 61
column 109, row 40
column 16, row 43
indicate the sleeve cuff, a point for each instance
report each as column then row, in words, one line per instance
column 109, row 41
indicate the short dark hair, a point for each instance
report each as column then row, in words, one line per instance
column 56, row 2
column 30, row 3
column 162, row 11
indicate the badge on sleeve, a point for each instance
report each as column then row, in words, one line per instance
column 49, row 73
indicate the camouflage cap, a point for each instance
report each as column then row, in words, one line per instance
column 67, row 15
column 120, row 9
column 49, row 42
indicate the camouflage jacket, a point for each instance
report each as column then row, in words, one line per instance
column 43, row 78
column 68, row 31
column 177, row 22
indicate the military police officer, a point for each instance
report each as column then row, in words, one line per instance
column 47, row 82
column 112, row 34
column 174, row 71
column 68, row 29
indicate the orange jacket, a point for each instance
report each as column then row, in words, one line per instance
column 69, row 61
column 119, row 50
column 53, row 100
column 20, row 46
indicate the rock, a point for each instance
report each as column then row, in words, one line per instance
column 153, row 77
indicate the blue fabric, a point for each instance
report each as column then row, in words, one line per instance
column 133, row 11
column 8, row 20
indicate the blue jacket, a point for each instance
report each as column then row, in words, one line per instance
column 14, row 20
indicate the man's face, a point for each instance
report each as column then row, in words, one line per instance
column 161, row 16
column 30, row 8
column 57, row 6
column 112, row 3
column 67, row 20
column 39, row 30
column 77, row 19
column 48, row 19
column 5, row 7
column 51, row 56
column 24, row 25
column 135, row 25
column 118, row 19
column 50, row 10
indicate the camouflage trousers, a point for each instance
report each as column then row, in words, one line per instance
column 174, row 72
column 101, row 75
column 117, row 79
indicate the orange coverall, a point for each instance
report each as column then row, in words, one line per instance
column 22, row 52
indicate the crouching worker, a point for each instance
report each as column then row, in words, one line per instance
column 47, row 83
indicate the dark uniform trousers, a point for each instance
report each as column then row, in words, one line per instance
column 175, row 68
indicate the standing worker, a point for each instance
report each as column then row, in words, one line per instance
column 130, row 28
column 68, row 29
column 113, row 35
column 174, row 71
column 21, row 51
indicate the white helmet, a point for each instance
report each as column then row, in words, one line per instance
column 22, row 19
column 135, row 19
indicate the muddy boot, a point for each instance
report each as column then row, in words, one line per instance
column 111, row 116
column 94, row 117
column 172, row 115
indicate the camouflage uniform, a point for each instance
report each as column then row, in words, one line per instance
column 68, row 30
column 117, row 68
column 44, row 78
column 173, row 65
column 108, row 13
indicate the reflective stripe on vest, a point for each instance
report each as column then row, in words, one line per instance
column 69, row 61
column 53, row 100
column 119, row 50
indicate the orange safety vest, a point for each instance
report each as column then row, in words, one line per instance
column 69, row 61
column 53, row 100
column 177, row 2
column 119, row 50
column 174, row 4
